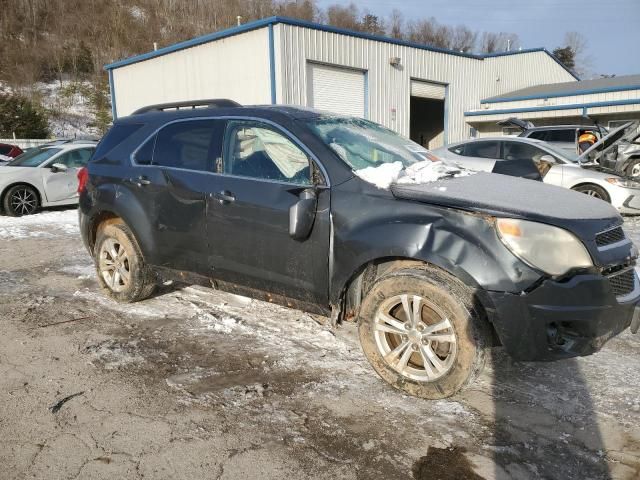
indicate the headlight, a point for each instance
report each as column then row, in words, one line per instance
column 622, row 182
column 550, row 249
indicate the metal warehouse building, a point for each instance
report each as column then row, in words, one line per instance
column 609, row 101
column 420, row 92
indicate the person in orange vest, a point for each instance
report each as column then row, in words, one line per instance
column 586, row 140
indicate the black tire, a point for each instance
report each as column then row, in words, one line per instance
column 634, row 165
column 593, row 190
column 141, row 281
column 21, row 200
column 445, row 301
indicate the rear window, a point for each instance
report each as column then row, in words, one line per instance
column 118, row 134
column 5, row 149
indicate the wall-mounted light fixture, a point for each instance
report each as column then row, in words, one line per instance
column 394, row 61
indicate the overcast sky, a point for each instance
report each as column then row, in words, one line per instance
column 611, row 27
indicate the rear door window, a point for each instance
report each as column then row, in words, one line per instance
column 189, row 145
column 522, row 151
column 488, row 149
column 5, row 149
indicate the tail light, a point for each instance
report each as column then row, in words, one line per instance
column 83, row 177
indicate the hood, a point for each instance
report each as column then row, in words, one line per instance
column 502, row 195
column 628, row 132
column 517, row 123
column 5, row 170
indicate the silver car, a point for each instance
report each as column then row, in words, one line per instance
column 547, row 162
column 43, row 177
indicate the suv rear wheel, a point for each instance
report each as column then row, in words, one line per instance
column 419, row 331
column 121, row 269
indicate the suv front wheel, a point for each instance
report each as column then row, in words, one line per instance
column 420, row 332
column 121, row 269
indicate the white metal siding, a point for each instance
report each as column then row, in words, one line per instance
column 427, row 90
column 389, row 88
column 337, row 90
column 236, row 68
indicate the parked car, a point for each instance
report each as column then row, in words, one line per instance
column 541, row 160
column 45, row 176
column 564, row 136
column 8, row 152
column 269, row 202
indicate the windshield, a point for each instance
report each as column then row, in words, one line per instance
column 33, row 158
column 363, row 144
column 563, row 154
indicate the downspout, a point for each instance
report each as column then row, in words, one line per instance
column 272, row 64
column 445, row 136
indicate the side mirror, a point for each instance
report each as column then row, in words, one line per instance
column 59, row 167
column 548, row 159
column 302, row 215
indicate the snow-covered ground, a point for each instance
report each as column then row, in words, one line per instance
column 203, row 364
column 71, row 112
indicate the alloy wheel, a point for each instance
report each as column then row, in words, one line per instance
column 23, row 201
column 592, row 193
column 114, row 265
column 635, row 170
column 415, row 338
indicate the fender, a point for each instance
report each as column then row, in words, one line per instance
column 462, row 243
column 100, row 198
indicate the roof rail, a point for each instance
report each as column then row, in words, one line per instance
column 211, row 103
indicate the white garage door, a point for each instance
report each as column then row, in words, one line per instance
column 335, row 89
column 427, row 90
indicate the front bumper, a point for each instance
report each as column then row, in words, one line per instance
column 626, row 200
column 559, row 320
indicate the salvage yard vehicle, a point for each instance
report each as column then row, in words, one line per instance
column 436, row 266
column 553, row 165
column 45, row 176
column 8, row 152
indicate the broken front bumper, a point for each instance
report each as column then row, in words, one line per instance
column 564, row 319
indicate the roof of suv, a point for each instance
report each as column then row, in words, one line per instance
column 263, row 111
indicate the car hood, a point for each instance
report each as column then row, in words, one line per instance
column 6, row 170
column 500, row 195
column 628, row 132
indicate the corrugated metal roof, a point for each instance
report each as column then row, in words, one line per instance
column 584, row 87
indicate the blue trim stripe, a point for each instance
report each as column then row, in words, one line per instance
column 112, row 92
column 566, row 93
column 550, row 108
column 272, row 64
column 247, row 27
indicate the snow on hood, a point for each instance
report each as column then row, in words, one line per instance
column 383, row 176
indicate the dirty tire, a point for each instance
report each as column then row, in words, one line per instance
column 140, row 282
column 633, row 169
column 20, row 200
column 592, row 190
column 443, row 298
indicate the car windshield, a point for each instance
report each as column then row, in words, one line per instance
column 33, row 158
column 363, row 144
column 562, row 154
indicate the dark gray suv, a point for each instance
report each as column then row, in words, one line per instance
column 289, row 205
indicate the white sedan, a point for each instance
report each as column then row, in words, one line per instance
column 43, row 177
column 529, row 158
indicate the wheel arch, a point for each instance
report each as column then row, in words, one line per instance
column 26, row 184
column 588, row 183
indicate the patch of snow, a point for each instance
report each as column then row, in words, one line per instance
column 426, row 171
column 381, row 176
column 44, row 224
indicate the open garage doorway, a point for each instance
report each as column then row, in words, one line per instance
column 427, row 114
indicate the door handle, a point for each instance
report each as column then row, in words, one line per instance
column 224, row 197
column 141, row 181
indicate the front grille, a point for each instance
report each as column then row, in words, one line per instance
column 609, row 237
column 623, row 283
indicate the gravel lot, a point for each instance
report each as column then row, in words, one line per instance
column 198, row 384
